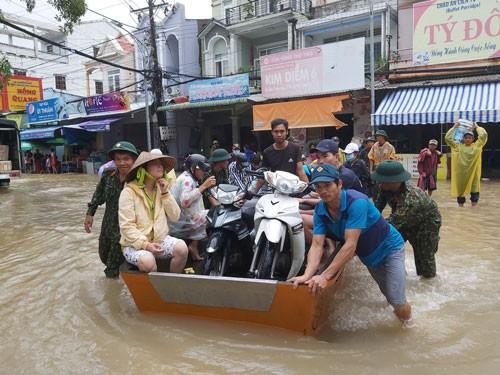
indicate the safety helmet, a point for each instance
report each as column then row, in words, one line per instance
column 241, row 158
column 196, row 161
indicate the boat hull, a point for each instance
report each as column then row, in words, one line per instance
column 265, row 302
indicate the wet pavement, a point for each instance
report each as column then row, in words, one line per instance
column 59, row 314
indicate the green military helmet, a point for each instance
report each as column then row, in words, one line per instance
column 382, row 133
column 123, row 146
column 390, row 171
column 219, row 154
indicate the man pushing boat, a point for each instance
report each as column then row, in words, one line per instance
column 352, row 217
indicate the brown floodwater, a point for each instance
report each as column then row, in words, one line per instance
column 59, row 314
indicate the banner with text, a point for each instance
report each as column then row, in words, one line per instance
column 446, row 31
column 46, row 110
column 19, row 91
column 328, row 68
column 111, row 102
column 230, row 87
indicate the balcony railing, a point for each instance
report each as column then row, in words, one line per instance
column 258, row 8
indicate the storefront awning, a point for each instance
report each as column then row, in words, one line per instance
column 440, row 104
column 101, row 125
column 42, row 133
column 307, row 113
column 213, row 103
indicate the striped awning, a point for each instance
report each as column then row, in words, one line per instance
column 440, row 105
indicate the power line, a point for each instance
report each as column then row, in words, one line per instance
column 111, row 19
column 71, row 49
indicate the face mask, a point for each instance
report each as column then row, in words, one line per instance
column 349, row 157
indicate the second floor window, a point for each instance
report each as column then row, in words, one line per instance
column 114, row 80
column 50, row 48
column 60, row 82
column 19, row 72
column 220, row 58
column 99, row 89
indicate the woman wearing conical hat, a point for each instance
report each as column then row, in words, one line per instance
column 146, row 207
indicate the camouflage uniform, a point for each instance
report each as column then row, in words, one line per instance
column 108, row 191
column 220, row 178
column 416, row 216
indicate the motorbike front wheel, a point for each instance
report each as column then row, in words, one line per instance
column 268, row 251
column 214, row 263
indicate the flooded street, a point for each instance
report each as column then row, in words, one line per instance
column 59, row 314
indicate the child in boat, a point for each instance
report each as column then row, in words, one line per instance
column 108, row 191
column 145, row 208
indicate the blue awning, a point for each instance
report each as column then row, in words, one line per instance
column 440, row 105
column 101, row 125
column 41, row 133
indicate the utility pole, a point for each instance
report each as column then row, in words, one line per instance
column 372, row 65
column 156, row 76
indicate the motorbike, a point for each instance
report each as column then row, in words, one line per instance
column 279, row 246
column 229, row 246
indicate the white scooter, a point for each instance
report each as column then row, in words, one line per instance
column 279, row 241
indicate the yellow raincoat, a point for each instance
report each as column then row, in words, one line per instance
column 466, row 163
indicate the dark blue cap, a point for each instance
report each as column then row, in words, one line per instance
column 327, row 145
column 324, row 173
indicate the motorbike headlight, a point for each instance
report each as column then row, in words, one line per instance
column 226, row 197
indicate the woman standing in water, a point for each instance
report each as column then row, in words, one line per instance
column 108, row 191
column 466, row 163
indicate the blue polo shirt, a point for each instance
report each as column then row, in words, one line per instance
column 378, row 238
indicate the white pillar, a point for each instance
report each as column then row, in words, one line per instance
column 234, row 51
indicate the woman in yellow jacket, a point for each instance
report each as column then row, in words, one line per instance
column 466, row 163
column 145, row 208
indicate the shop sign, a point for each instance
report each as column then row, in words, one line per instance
column 229, row 87
column 446, row 31
column 111, row 102
column 328, row 68
column 46, row 110
column 19, row 91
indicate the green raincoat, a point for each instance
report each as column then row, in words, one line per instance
column 466, row 163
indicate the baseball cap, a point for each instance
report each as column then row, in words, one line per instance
column 326, row 145
column 351, row 147
column 324, row 173
column 433, row 142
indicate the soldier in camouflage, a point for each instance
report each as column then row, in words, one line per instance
column 414, row 214
column 108, row 191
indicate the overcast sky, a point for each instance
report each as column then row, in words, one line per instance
column 116, row 9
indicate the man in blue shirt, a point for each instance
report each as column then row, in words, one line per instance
column 353, row 218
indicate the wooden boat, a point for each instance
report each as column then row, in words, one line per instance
column 266, row 302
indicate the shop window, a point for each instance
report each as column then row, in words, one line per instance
column 60, row 82
column 114, row 80
column 99, row 89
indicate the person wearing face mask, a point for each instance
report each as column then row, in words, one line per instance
column 146, row 208
column 466, row 163
column 358, row 166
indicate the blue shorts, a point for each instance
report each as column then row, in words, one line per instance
column 390, row 276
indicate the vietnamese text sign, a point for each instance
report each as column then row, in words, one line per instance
column 46, row 110
column 19, row 91
column 328, row 68
column 447, row 31
column 111, row 102
column 229, row 87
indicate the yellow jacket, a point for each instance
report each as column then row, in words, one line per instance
column 466, row 163
column 136, row 225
